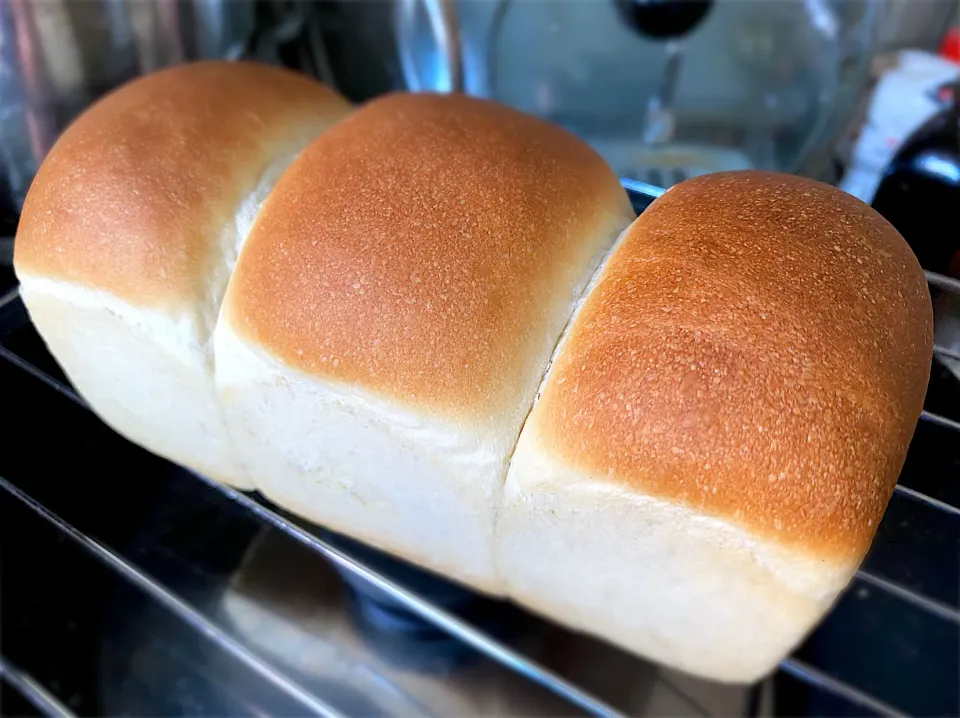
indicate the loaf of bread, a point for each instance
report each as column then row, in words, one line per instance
column 130, row 233
column 421, row 323
column 393, row 313
column 723, row 426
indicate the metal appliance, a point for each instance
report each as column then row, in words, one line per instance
column 58, row 56
column 664, row 89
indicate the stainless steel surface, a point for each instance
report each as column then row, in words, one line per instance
column 946, row 330
column 943, row 282
column 641, row 188
column 292, row 605
column 946, row 353
column 917, row 496
column 57, row 56
column 809, row 674
column 939, row 420
column 195, row 619
column 284, row 615
column 938, row 608
column 435, row 615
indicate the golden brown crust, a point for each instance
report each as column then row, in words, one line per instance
column 757, row 349
column 133, row 196
column 420, row 247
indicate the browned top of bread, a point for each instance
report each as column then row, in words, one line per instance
column 758, row 350
column 134, row 196
column 419, row 249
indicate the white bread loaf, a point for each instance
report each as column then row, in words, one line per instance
column 394, row 311
column 729, row 397
column 718, row 437
column 130, row 232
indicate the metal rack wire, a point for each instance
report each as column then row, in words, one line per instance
column 452, row 624
column 34, row 693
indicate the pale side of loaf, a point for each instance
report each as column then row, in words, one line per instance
column 719, row 435
column 130, row 232
column 394, row 310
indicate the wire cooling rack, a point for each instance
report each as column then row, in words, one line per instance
column 937, row 604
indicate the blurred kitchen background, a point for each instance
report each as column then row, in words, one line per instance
column 859, row 93
column 663, row 89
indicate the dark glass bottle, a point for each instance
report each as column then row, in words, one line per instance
column 920, row 192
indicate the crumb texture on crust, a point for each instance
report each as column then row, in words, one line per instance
column 758, row 350
column 134, row 196
column 426, row 249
